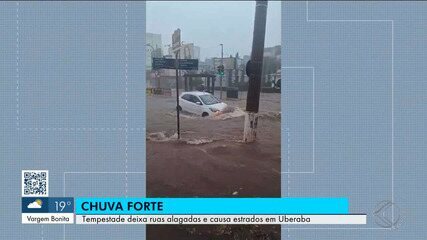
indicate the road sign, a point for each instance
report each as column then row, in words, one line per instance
column 188, row 64
column 169, row 63
column 163, row 63
column 183, row 64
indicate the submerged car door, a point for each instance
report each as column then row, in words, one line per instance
column 195, row 108
column 186, row 102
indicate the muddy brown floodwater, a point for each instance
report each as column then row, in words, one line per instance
column 211, row 161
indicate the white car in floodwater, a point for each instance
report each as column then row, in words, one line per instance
column 200, row 103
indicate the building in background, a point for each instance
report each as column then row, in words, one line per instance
column 166, row 78
column 234, row 66
column 207, row 66
column 234, row 70
column 154, row 48
column 187, row 51
column 271, row 66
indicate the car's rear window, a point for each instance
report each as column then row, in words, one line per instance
column 209, row 99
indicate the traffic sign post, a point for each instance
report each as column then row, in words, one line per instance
column 177, row 64
column 176, row 46
column 170, row 63
column 177, row 95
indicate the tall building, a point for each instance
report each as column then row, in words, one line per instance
column 188, row 51
column 209, row 65
column 154, row 48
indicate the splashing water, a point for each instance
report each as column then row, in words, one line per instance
column 162, row 137
column 165, row 137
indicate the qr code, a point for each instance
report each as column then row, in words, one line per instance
column 35, row 183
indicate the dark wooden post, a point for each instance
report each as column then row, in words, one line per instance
column 254, row 71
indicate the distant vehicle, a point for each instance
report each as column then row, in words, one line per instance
column 277, row 84
column 200, row 103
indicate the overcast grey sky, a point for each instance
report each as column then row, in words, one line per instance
column 209, row 23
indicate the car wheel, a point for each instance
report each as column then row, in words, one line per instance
column 205, row 114
column 179, row 108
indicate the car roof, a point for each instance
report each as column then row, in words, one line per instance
column 196, row 93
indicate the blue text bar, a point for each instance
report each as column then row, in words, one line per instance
column 147, row 206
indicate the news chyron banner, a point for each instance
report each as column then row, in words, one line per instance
column 215, row 211
column 189, row 211
column 39, row 208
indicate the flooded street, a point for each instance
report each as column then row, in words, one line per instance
column 210, row 160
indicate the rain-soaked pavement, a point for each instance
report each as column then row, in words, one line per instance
column 211, row 161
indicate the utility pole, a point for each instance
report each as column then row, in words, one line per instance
column 254, row 71
column 177, row 93
column 221, row 76
column 176, row 47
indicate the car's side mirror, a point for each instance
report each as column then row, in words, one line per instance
column 199, row 103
